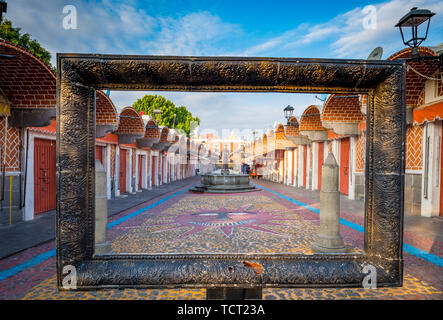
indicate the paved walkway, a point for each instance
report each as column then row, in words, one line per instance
column 256, row 221
column 26, row 234
column 424, row 226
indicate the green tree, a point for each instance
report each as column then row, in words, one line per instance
column 184, row 118
column 8, row 33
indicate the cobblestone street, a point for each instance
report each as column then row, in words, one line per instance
column 276, row 219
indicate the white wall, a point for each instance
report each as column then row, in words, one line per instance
column 315, row 147
column 430, row 205
column 301, row 162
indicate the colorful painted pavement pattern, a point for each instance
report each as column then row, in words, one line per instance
column 254, row 222
column 196, row 223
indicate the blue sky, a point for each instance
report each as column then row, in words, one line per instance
column 318, row 29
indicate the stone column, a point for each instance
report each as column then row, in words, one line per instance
column 101, row 210
column 329, row 239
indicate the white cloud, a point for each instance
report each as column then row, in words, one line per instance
column 114, row 27
column 193, row 34
column 356, row 41
column 345, row 35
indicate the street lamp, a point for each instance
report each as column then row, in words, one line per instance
column 288, row 112
column 3, row 8
column 414, row 19
column 159, row 113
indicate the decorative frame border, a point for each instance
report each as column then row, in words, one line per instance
column 79, row 75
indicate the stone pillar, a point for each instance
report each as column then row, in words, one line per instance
column 329, row 239
column 101, row 210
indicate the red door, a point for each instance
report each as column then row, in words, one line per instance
column 122, row 171
column 305, row 159
column 140, row 167
column 153, row 164
column 163, row 169
column 99, row 154
column 44, row 175
column 441, row 175
column 320, row 162
column 344, row 166
column 282, row 157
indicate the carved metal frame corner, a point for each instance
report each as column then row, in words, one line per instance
column 79, row 75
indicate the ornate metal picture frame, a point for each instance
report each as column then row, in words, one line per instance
column 78, row 75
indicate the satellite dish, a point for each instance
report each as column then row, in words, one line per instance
column 376, row 54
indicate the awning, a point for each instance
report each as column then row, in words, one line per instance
column 429, row 113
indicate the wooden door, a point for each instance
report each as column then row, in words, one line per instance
column 163, row 170
column 344, row 166
column 293, row 168
column 122, row 171
column 99, row 154
column 140, row 171
column 153, row 164
column 305, row 159
column 282, row 157
column 44, row 175
column 320, row 162
column 441, row 173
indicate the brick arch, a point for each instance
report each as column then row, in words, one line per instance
column 280, row 132
column 258, row 146
column 407, row 53
column 151, row 136
column 164, row 142
column 181, row 143
column 265, row 143
column 414, row 82
column 130, row 126
column 292, row 128
column 173, row 136
column 29, row 84
column 174, row 140
column 342, row 113
column 271, row 140
column 152, row 130
column 106, row 116
column 182, row 140
column 311, row 126
column 164, row 133
column 310, row 120
column 280, row 138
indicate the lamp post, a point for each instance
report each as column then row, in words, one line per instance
column 413, row 19
column 288, row 112
column 159, row 113
column 3, row 8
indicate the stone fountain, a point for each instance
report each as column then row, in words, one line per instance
column 224, row 180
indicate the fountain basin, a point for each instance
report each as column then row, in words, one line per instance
column 224, row 183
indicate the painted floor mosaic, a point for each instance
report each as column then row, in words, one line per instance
column 253, row 222
column 195, row 223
